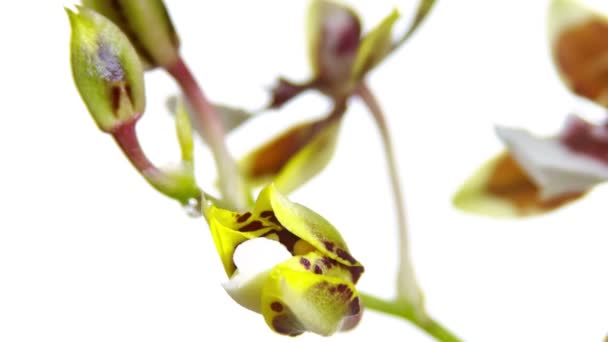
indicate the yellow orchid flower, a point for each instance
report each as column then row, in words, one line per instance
column 312, row 288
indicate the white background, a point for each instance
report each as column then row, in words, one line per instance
column 88, row 252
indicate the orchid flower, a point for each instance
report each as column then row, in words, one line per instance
column 312, row 288
column 537, row 175
column 340, row 58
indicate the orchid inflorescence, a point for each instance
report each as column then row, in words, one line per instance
column 311, row 286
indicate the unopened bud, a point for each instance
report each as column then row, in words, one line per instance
column 148, row 26
column 106, row 70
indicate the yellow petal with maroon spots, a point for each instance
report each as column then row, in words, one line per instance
column 309, row 226
column 230, row 229
column 296, row 298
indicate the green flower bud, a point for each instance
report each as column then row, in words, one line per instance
column 148, row 26
column 106, row 70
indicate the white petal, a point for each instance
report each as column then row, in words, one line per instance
column 552, row 167
column 254, row 259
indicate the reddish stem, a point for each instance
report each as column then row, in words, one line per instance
column 232, row 185
column 126, row 138
column 197, row 99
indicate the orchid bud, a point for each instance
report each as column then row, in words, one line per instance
column 106, row 70
column 148, row 26
column 579, row 47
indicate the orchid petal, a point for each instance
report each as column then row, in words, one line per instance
column 333, row 32
column 554, row 168
column 254, row 260
column 229, row 229
column 294, row 157
column 296, row 299
column 580, row 49
column 309, row 226
column 375, row 46
column 309, row 161
column 500, row 188
column 535, row 176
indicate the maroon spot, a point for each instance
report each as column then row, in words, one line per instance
column 276, row 307
column 355, row 272
column 341, row 288
column 318, row 270
column 116, row 90
column 243, row 217
column 305, row 262
column 251, row 226
column 348, row 40
column 283, row 324
column 328, row 262
column 585, row 138
column 274, row 220
column 267, row 213
column 354, row 307
column 344, row 255
column 329, row 245
column 287, row 239
column 332, row 290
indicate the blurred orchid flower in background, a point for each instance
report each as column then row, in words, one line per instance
column 537, row 175
column 312, row 285
column 340, row 58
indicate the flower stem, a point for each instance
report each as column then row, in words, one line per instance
column 125, row 136
column 409, row 303
column 407, row 287
column 400, row 309
column 232, row 185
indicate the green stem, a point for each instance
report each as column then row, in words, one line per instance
column 232, row 185
column 400, row 309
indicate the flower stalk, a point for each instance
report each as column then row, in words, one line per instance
column 424, row 322
column 409, row 302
